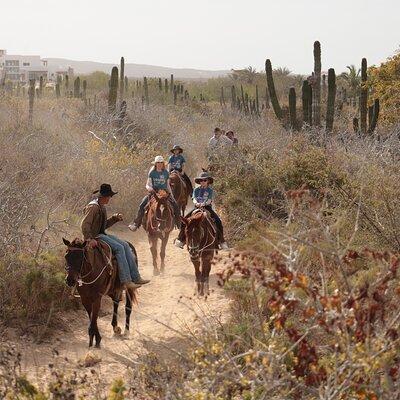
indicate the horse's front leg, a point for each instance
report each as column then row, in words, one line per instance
column 153, row 250
column 206, row 269
column 114, row 322
column 164, row 242
column 197, row 272
column 93, row 329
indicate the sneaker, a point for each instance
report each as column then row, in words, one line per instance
column 142, row 281
column 131, row 285
column 224, row 246
column 178, row 243
column 133, row 227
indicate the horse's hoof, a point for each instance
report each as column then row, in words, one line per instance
column 127, row 333
column 156, row 272
column 117, row 331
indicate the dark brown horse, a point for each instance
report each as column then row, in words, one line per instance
column 159, row 223
column 180, row 190
column 95, row 274
column 201, row 240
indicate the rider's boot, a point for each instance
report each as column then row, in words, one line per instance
column 142, row 281
column 131, row 285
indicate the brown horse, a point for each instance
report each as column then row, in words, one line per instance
column 95, row 274
column 201, row 240
column 159, row 223
column 180, row 190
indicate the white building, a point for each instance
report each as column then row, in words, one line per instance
column 19, row 68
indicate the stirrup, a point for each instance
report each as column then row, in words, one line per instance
column 223, row 246
column 133, row 227
column 179, row 244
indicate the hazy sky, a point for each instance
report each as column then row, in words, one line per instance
column 206, row 34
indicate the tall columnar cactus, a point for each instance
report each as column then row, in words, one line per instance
column 66, row 85
column 292, row 108
column 305, row 98
column 31, row 94
column 172, row 83
column 257, row 102
column 146, row 90
column 77, row 87
column 375, row 116
column 58, row 93
column 113, row 90
column 233, row 97
column 317, row 84
column 41, row 86
column 330, row 107
column 363, row 97
column 272, row 92
column 84, row 89
column 126, row 84
column 160, row 84
column 122, row 78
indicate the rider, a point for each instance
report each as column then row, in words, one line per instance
column 203, row 197
column 176, row 162
column 158, row 179
column 94, row 225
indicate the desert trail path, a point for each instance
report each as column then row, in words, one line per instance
column 166, row 308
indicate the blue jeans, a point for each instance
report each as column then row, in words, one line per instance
column 127, row 266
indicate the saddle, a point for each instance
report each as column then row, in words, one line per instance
column 207, row 216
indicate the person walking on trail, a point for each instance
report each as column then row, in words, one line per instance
column 94, row 225
column 203, row 197
column 219, row 141
column 176, row 162
column 158, row 179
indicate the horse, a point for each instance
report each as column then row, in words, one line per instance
column 180, row 190
column 159, row 223
column 94, row 273
column 201, row 240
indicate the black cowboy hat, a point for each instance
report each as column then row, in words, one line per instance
column 204, row 175
column 176, row 147
column 105, row 191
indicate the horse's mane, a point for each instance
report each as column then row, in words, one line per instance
column 197, row 217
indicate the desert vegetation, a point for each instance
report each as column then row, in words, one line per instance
column 309, row 198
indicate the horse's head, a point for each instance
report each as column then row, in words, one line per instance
column 74, row 258
column 161, row 213
column 194, row 232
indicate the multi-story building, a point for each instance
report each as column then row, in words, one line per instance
column 19, row 68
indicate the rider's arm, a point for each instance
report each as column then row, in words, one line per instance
column 149, row 185
column 194, row 198
column 112, row 220
column 210, row 198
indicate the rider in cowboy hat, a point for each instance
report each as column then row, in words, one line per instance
column 176, row 162
column 203, row 197
column 158, row 179
column 94, row 225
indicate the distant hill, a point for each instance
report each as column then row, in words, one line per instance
column 133, row 70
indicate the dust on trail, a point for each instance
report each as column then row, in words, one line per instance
column 166, row 308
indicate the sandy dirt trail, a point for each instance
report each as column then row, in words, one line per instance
column 167, row 302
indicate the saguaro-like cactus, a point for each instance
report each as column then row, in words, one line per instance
column 306, row 101
column 317, row 83
column 375, row 116
column 363, row 97
column 31, row 94
column 41, row 86
column 330, row 107
column 122, row 78
column 172, row 83
column 160, row 84
column 113, row 90
column 77, row 87
column 272, row 92
column 66, row 85
column 146, row 90
column 58, row 93
column 292, row 108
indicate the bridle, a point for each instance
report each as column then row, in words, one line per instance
column 195, row 250
column 80, row 279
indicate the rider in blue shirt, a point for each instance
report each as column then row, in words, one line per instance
column 176, row 162
column 203, row 197
column 158, row 179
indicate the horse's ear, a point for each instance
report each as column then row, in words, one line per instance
column 66, row 242
column 184, row 221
